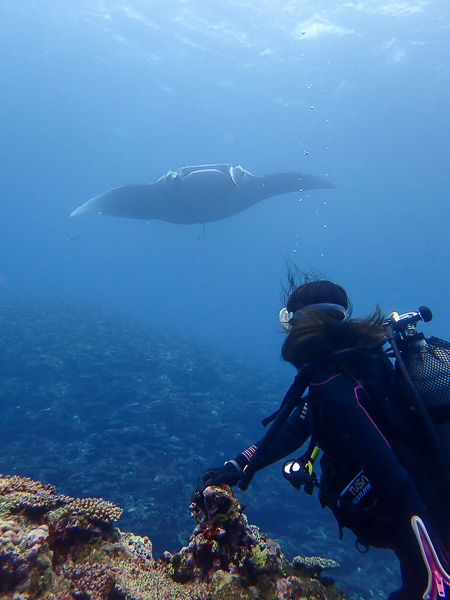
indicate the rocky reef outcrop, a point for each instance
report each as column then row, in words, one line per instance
column 55, row 547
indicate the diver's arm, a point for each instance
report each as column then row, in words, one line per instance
column 292, row 435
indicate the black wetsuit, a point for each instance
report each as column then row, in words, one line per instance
column 349, row 429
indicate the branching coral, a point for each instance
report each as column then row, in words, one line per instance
column 14, row 483
column 96, row 510
column 22, row 493
column 314, row 564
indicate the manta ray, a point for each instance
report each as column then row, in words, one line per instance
column 198, row 194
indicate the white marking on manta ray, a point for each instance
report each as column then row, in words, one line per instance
column 197, row 194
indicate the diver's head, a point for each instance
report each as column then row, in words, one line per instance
column 322, row 295
column 317, row 292
column 317, row 320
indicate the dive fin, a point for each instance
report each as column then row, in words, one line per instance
column 438, row 578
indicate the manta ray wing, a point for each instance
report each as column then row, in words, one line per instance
column 137, row 201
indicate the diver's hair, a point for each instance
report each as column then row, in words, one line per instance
column 318, row 334
column 298, row 292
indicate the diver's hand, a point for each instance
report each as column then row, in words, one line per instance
column 227, row 474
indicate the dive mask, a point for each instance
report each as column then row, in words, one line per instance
column 285, row 317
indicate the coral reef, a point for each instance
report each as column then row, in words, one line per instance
column 70, row 550
column 314, row 564
column 238, row 560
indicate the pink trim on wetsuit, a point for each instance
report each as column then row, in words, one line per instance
column 327, row 380
column 249, row 452
column 360, row 387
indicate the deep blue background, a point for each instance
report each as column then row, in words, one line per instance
column 96, row 94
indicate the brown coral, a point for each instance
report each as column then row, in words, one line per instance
column 37, row 502
column 23, row 493
column 314, row 564
column 96, row 510
column 14, row 483
column 14, row 567
column 34, row 539
column 90, row 582
column 139, row 547
column 223, row 541
column 10, row 532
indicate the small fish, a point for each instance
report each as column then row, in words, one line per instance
column 72, row 238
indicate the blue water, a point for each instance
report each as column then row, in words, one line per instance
column 98, row 94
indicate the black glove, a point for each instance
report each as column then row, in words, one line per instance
column 227, row 474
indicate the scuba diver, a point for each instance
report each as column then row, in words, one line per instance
column 376, row 484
